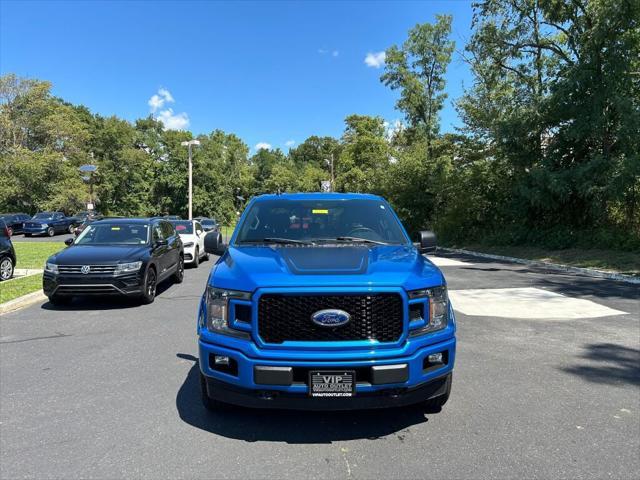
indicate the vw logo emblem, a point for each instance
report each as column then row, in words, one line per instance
column 85, row 269
column 330, row 318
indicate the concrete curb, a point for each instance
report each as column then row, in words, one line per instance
column 551, row 266
column 21, row 302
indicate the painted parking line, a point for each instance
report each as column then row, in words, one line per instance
column 447, row 262
column 527, row 303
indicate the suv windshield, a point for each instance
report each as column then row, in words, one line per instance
column 317, row 221
column 184, row 228
column 114, row 234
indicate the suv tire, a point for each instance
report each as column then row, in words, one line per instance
column 6, row 268
column 178, row 277
column 149, row 286
column 196, row 258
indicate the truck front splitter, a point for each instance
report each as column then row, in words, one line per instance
column 392, row 397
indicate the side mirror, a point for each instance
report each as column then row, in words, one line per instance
column 161, row 243
column 427, row 242
column 212, row 245
column 68, row 242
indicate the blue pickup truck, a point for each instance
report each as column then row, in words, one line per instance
column 320, row 301
column 50, row 223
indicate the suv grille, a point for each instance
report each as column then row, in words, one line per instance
column 103, row 269
column 288, row 317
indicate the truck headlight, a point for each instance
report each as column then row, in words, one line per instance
column 44, row 225
column 438, row 309
column 217, row 319
column 50, row 267
column 130, row 267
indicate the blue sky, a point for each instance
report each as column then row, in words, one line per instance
column 270, row 72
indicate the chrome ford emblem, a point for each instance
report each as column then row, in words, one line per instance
column 330, row 318
column 85, row 269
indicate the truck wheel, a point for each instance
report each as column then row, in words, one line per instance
column 59, row 301
column 178, row 277
column 51, row 232
column 72, row 229
column 208, row 402
column 434, row 405
column 149, row 286
column 196, row 259
column 6, row 268
column 10, row 231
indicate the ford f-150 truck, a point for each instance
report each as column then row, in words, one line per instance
column 321, row 301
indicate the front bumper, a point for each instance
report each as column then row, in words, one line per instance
column 238, row 385
column 189, row 254
column 35, row 230
column 92, row 284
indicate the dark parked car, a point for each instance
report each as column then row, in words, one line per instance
column 15, row 221
column 7, row 253
column 49, row 223
column 125, row 256
column 89, row 220
column 81, row 217
column 209, row 224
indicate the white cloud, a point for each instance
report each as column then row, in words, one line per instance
column 173, row 121
column 375, row 59
column 263, row 146
column 326, row 51
column 170, row 120
column 290, row 143
column 157, row 101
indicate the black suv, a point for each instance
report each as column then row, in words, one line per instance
column 15, row 221
column 7, row 253
column 125, row 256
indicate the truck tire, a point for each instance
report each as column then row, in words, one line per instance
column 51, row 232
column 434, row 405
column 72, row 228
column 209, row 403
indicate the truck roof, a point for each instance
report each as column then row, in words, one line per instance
column 319, row 196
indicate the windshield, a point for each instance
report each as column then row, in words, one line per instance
column 321, row 221
column 114, row 234
column 43, row 216
column 183, row 228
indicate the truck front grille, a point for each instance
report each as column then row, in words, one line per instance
column 288, row 317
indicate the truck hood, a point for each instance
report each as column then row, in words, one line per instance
column 92, row 255
column 250, row 267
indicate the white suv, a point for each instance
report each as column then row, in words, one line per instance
column 192, row 235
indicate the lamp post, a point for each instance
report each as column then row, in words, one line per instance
column 189, row 144
column 88, row 172
column 330, row 164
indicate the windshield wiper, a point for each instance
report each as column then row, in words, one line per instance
column 354, row 240
column 286, row 241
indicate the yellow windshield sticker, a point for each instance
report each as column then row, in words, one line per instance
column 115, row 228
column 320, row 211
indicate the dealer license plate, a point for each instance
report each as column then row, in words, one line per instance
column 332, row 383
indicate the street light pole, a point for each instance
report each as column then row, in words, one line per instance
column 330, row 163
column 188, row 145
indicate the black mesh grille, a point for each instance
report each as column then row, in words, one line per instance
column 288, row 317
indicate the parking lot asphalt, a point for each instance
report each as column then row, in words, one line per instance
column 60, row 237
column 110, row 390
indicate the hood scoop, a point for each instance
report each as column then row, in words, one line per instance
column 326, row 260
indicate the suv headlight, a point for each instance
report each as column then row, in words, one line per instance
column 438, row 309
column 217, row 319
column 50, row 267
column 130, row 267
